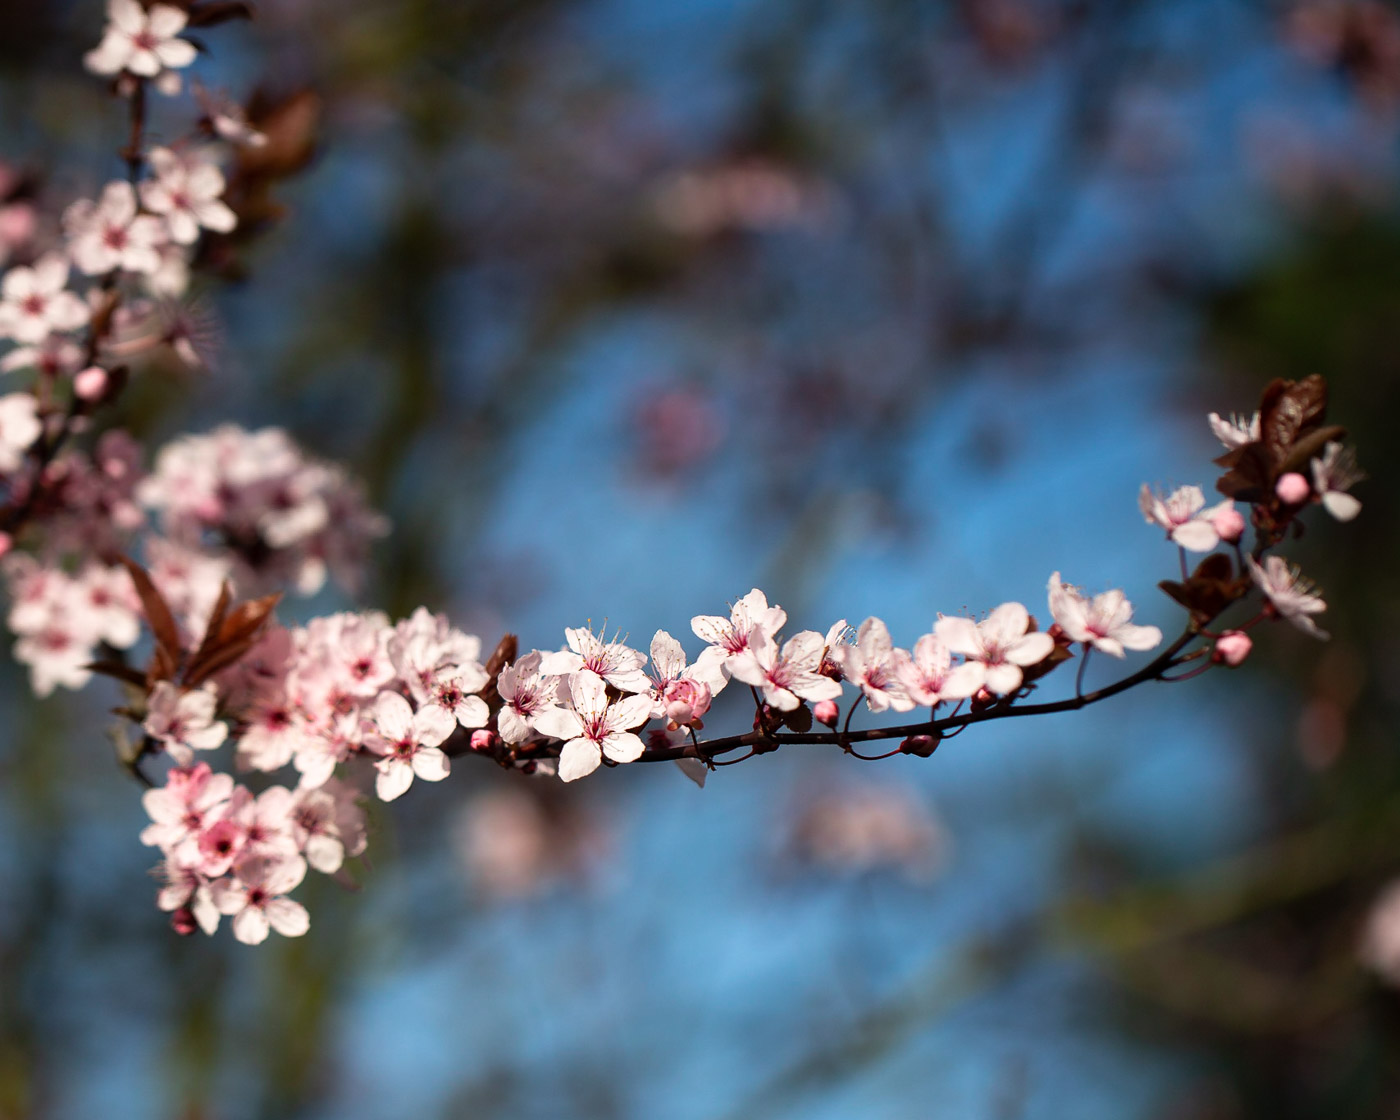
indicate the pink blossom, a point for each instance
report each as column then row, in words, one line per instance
column 592, row 728
column 1104, row 622
column 180, row 809
column 680, row 692
column 186, row 890
column 1333, row 475
column 328, row 825
column 438, row 663
column 729, row 638
column 19, row 429
column 188, row 192
column 141, row 42
column 1183, row 514
column 109, row 605
column 871, row 663
column 109, row 235
column 35, row 302
column 1289, row 594
column 997, row 649
column 53, row 357
column 256, row 898
column 525, row 693
column 786, row 677
column 300, row 520
column 185, row 720
column 407, row 742
column 616, row 663
column 925, row 674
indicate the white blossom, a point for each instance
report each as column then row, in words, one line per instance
column 1333, row 475
column 997, row 649
column 141, row 42
column 1104, row 622
column 188, row 192
column 1290, row 595
column 35, row 302
column 871, row 664
column 111, row 234
column 1183, row 514
column 789, row 676
column 19, row 428
column 592, row 728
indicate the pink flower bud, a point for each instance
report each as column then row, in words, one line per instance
column 1293, row 489
column 1229, row 523
column 7, row 542
column 1232, row 647
column 182, row 921
column 483, row 739
column 91, row 383
column 827, row 712
column 18, row 223
column 686, row 700
column 921, row 745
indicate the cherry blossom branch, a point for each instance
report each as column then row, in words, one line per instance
column 765, row 742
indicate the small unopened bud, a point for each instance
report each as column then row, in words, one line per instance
column 981, row 698
column 686, row 700
column 182, row 921
column 1229, row 523
column 1232, row 647
column 91, row 384
column 1293, row 489
column 484, row 739
column 827, row 712
column 7, row 542
column 921, row 745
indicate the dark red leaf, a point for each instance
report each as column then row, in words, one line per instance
column 160, row 620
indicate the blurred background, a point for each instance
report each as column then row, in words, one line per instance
column 622, row 308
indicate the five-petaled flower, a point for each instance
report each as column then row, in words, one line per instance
column 1290, row 595
column 35, row 302
column 789, row 676
column 870, row 663
column 407, row 743
column 729, row 638
column 142, row 42
column 1333, row 475
column 1183, row 514
column 110, row 234
column 188, row 192
column 1104, row 622
column 615, row 662
column 997, row 650
column 184, row 720
column 594, row 728
column 256, row 898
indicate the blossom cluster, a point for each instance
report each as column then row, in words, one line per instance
column 321, row 715
column 229, row 852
